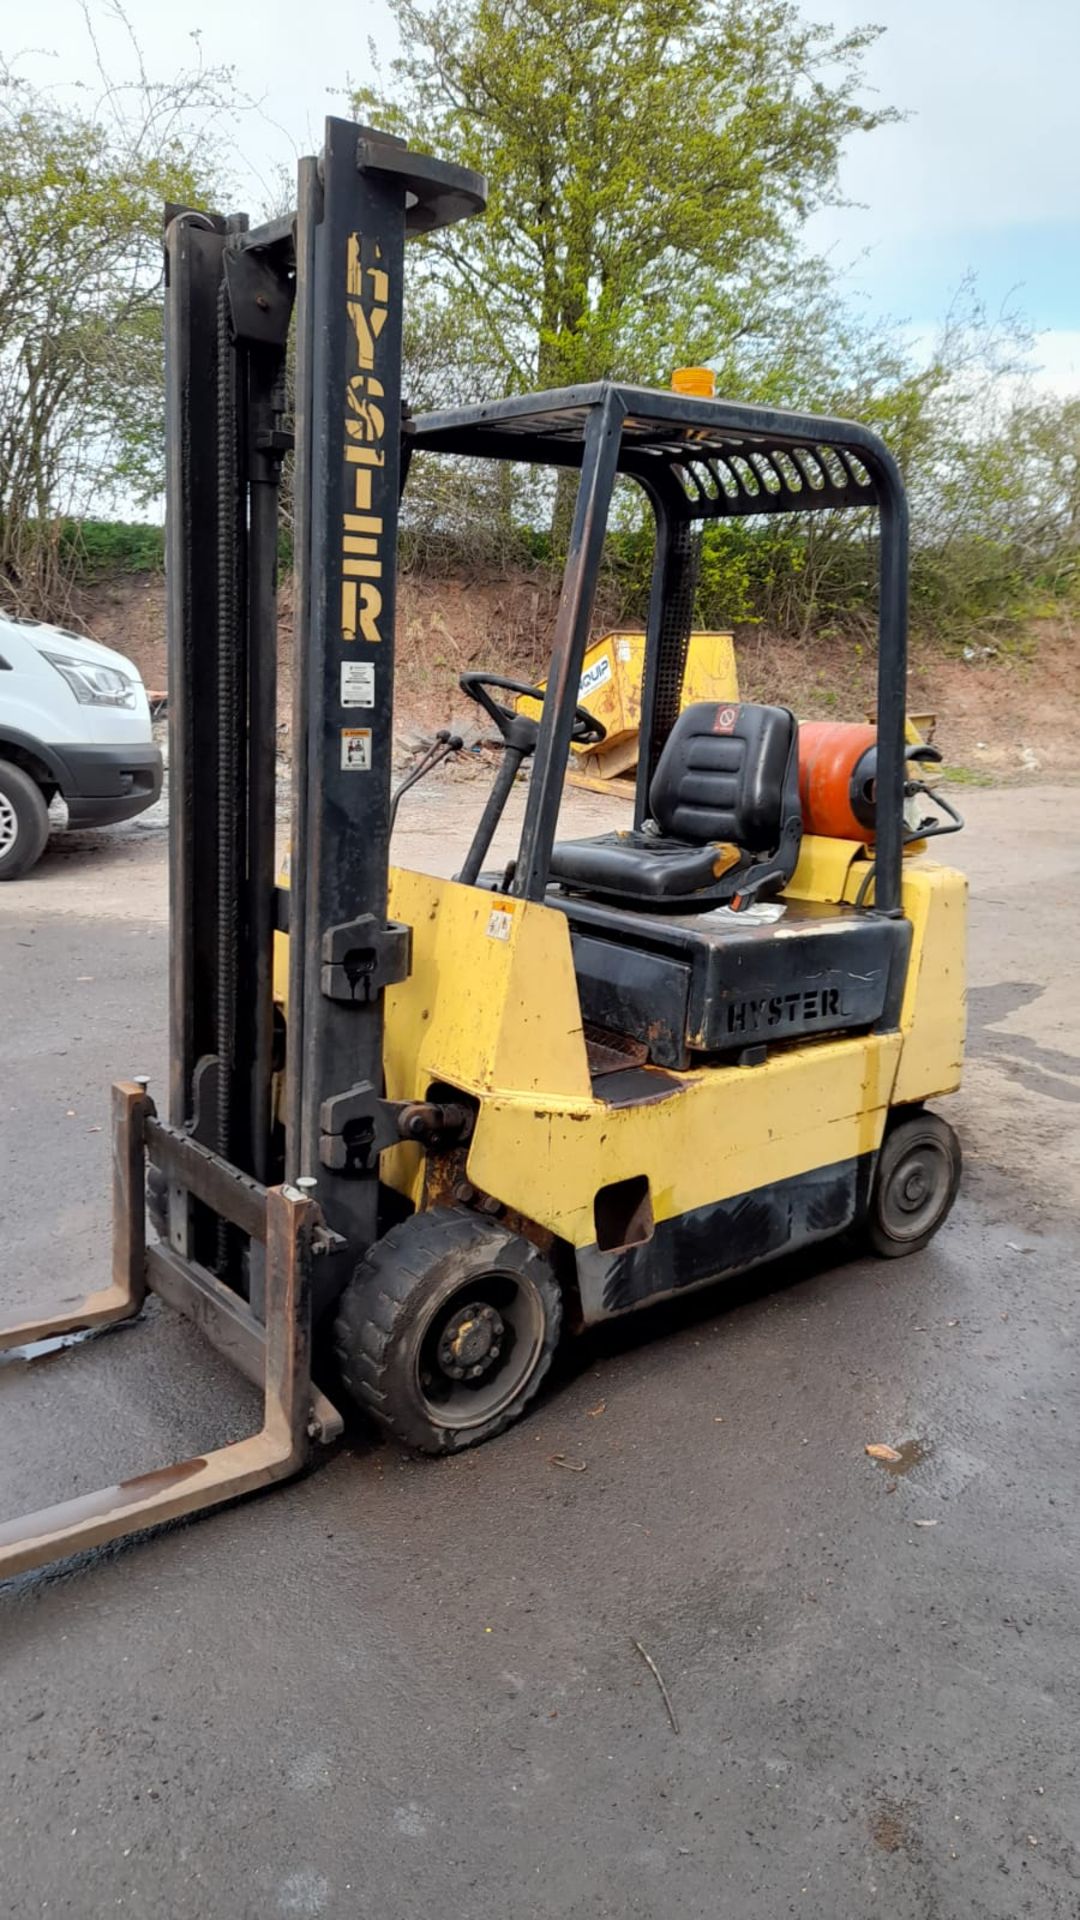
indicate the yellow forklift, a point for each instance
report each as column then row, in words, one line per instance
column 417, row 1126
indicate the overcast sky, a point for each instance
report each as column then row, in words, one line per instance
column 984, row 175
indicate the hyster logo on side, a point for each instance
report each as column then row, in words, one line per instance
column 367, row 299
column 785, row 1009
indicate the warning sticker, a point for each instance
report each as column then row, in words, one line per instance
column 357, row 683
column 355, row 749
column 726, row 719
column 500, row 925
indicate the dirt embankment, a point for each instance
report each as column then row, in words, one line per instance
column 1000, row 715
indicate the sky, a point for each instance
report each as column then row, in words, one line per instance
column 982, row 177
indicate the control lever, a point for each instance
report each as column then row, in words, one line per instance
column 444, row 744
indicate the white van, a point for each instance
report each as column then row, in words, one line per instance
column 74, row 721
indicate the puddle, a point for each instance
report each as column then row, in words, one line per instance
column 912, row 1454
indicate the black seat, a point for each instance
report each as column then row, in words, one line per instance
column 725, row 821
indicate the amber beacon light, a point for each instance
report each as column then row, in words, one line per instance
column 696, row 380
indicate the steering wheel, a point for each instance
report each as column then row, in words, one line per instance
column 587, row 731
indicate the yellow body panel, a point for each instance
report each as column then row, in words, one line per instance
column 934, row 1011
column 491, row 1004
column 723, row 1131
column 492, row 1007
column 622, row 784
column 824, row 869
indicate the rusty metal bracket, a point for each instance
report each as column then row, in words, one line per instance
column 355, row 1127
column 132, row 1107
column 260, row 294
column 358, row 1125
column 292, row 1411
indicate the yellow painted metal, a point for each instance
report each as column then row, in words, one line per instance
column 622, row 785
column 492, row 1007
column 491, row 1004
column 610, row 688
column 721, row 1132
column 711, row 672
column 918, row 727
column 934, row 1011
column 280, row 964
column 823, row 869
column 834, row 870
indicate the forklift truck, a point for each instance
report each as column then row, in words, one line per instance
column 417, row 1125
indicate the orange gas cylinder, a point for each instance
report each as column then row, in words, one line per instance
column 837, row 765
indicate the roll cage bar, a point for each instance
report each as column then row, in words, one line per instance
column 698, row 460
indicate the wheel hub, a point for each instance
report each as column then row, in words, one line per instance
column 916, row 1192
column 915, row 1188
column 9, row 825
column 471, row 1341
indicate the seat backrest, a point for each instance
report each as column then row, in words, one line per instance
column 728, row 771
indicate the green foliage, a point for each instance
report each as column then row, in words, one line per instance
column 98, row 549
column 81, row 194
column 650, row 166
column 464, row 514
column 993, row 477
column 948, row 776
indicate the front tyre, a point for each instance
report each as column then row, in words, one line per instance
column 447, row 1329
column 915, row 1183
column 24, row 821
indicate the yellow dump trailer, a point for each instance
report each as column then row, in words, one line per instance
column 610, row 689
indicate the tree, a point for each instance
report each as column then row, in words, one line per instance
column 651, row 164
column 82, row 190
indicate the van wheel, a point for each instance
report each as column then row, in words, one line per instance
column 24, row 821
column 447, row 1328
column 915, row 1183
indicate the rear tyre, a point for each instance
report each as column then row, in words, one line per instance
column 24, row 822
column 915, row 1183
column 447, row 1329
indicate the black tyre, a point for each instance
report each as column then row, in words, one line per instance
column 915, row 1183
column 24, row 821
column 447, row 1328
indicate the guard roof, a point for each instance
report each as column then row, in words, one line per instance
column 709, row 458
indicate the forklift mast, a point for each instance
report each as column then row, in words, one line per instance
column 231, row 290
